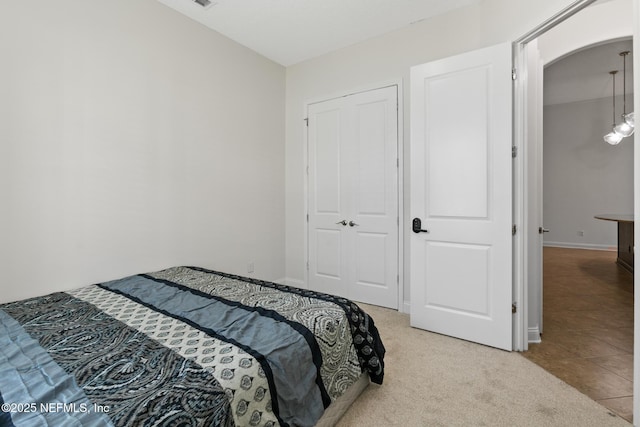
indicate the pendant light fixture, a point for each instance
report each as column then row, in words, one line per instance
column 613, row 137
column 625, row 128
column 630, row 119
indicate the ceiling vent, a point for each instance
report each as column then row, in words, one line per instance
column 205, row 3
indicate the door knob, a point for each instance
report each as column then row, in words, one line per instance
column 343, row 222
column 353, row 224
column 542, row 230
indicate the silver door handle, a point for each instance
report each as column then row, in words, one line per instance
column 542, row 230
column 353, row 224
column 343, row 223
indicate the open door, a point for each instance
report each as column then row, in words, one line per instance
column 461, row 196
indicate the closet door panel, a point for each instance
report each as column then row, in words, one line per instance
column 353, row 197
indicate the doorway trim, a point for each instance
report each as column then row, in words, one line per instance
column 520, row 187
column 403, row 306
column 520, row 256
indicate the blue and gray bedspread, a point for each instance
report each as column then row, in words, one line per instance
column 183, row 346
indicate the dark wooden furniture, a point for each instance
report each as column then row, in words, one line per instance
column 625, row 238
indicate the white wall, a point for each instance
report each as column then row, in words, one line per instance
column 133, row 139
column 583, row 175
column 385, row 59
column 580, row 170
column 578, row 32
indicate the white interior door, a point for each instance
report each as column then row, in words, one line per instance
column 353, row 196
column 461, row 175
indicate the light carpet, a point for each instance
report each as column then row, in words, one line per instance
column 434, row 380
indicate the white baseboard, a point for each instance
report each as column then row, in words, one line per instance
column 588, row 246
column 293, row 282
column 406, row 307
column 534, row 335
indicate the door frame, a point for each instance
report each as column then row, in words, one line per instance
column 403, row 306
column 520, row 182
column 520, row 255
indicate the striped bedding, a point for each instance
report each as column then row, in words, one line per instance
column 183, row 346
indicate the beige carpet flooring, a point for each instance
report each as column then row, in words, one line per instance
column 434, row 380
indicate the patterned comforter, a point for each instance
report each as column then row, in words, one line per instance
column 183, row 346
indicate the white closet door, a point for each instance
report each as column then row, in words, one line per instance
column 328, row 198
column 461, row 175
column 353, row 177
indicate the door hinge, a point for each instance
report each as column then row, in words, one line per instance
column 307, row 265
column 307, row 217
column 514, row 309
column 514, row 74
column 514, row 151
column 514, row 229
column 306, row 120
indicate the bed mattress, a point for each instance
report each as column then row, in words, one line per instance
column 184, row 346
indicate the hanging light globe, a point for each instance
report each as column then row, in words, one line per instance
column 624, row 129
column 613, row 138
column 630, row 119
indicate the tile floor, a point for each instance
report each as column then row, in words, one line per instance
column 587, row 338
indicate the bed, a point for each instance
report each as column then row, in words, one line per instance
column 184, row 346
